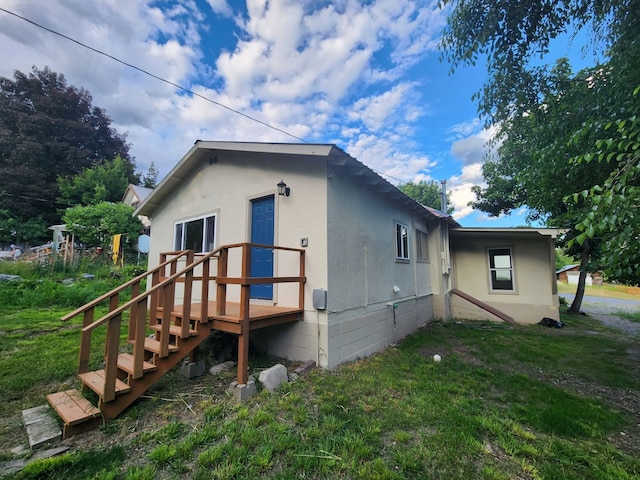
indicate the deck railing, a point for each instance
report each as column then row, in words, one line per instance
column 158, row 301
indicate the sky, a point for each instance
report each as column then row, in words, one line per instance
column 364, row 75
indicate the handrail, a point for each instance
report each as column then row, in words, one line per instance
column 118, row 289
column 162, row 295
column 213, row 253
column 125, row 306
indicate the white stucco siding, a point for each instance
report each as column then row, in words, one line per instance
column 533, row 296
column 363, row 268
column 363, row 271
column 225, row 188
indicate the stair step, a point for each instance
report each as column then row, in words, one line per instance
column 175, row 330
column 72, row 407
column 125, row 363
column 95, row 381
column 153, row 346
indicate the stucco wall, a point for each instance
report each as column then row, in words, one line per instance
column 534, row 297
column 363, row 270
column 226, row 189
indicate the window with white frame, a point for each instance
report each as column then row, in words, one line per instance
column 501, row 269
column 422, row 246
column 402, row 242
column 197, row 234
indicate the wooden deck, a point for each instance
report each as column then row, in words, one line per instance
column 260, row 315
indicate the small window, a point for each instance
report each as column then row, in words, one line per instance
column 422, row 246
column 197, row 234
column 501, row 269
column 402, row 242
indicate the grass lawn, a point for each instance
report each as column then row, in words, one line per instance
column 527, row 402
column 606, row 290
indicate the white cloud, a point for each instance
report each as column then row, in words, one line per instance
column 221, row 7
column 318, row 72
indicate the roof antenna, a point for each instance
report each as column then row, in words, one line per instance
column 443, row 197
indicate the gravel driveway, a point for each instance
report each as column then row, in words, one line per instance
column 605, row 310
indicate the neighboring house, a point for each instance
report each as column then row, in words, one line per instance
column 571, row 275
column 386, row 264
column 133, row 196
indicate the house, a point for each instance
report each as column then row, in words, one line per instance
column 133, row 196
column 571, row 274
column 386, row 264
column 304, row 251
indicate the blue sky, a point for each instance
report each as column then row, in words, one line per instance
column 364, row 75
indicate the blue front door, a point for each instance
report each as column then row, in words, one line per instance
column 262, row 258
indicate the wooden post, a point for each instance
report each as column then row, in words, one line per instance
column 301, row 273
column 135, row 291
column 111, row 360
column 154, row 301
column 187, row 297
column 140, row 333
column 85, row 344
column 243, row 338
column 167, row 307
column 221, row 288
column 204, row 295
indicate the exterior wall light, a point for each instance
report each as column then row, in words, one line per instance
column 283, row 189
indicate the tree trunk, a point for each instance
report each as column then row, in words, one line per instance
column 584, row 263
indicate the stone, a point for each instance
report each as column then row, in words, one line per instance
column 192, row 369
column 10, row 278
column 273, row 377
column 41, row 425
column 67, row 281
column 222, row 367
column 293, row 376
column 88, row 276
column 243, row 391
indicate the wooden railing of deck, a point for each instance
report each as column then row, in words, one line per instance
column 160, row 297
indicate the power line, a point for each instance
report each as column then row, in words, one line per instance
column 184, row 89
column 180, row 87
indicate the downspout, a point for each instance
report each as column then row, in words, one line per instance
column 445, row 253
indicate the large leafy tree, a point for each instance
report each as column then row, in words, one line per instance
column 104, row 182
column 426, row 193
column 94, row 225
column 539, row 109
column 48, row 129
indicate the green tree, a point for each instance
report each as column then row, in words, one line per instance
column 93, row 225
column 150, row 179
column 13, row 230
column 426, row 193
column 48, row 130
column 613, row 204
column 104, row 182
column 518, row 98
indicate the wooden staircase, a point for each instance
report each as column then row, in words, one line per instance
column 165, row 324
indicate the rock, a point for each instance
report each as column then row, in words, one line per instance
column 222, row 367
column 67, row 281
column 273, row 377
column 88, row 276
column 10, row 278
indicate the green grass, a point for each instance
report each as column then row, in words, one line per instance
column 504, row 403
column 634, row 316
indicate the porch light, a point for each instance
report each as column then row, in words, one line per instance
column 283, row 189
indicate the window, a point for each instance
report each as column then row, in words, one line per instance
column 402, row 242
column 422, row 246
column 197, row 235
column 501, row 269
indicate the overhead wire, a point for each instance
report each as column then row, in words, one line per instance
column 169, row 82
